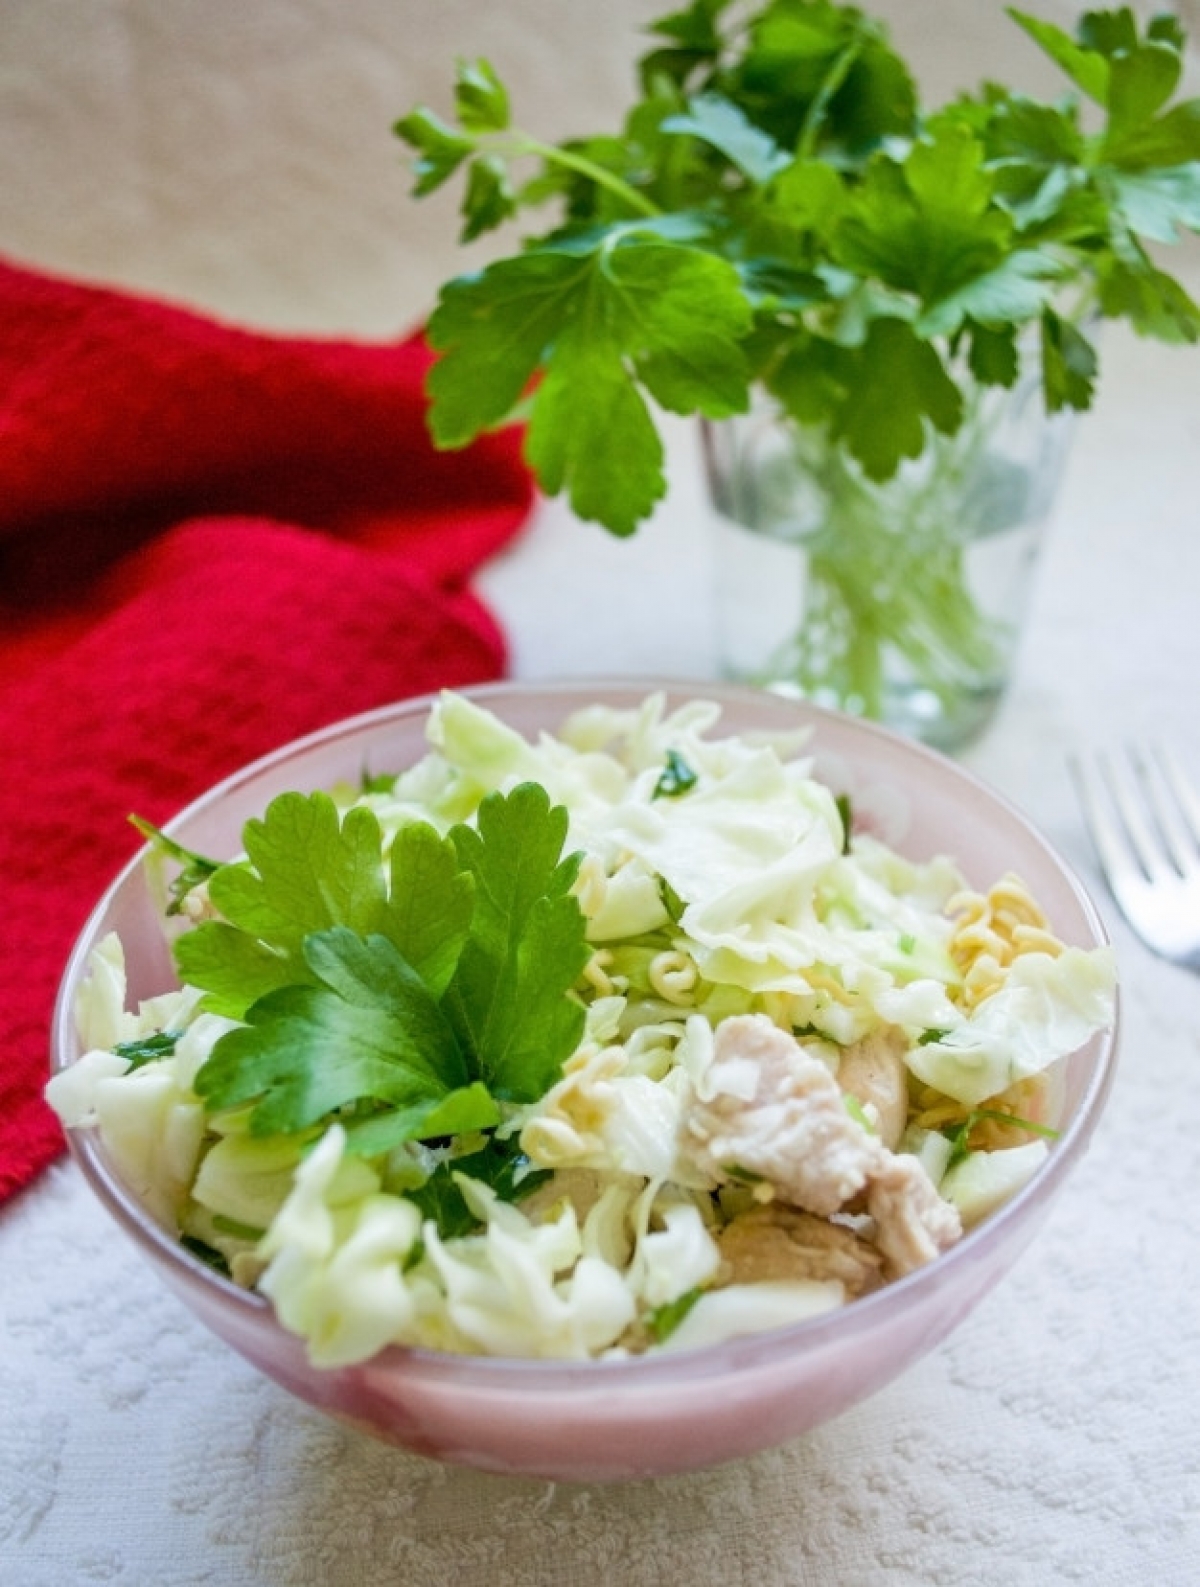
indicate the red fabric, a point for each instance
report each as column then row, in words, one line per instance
column 211, row 541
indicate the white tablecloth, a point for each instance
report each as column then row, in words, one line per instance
column 1055, row 1437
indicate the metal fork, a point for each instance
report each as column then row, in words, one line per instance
column 1144, row 819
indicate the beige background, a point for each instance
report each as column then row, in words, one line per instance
column 237, row 154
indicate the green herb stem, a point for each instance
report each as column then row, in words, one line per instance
column 814, row 118
column 571, row 160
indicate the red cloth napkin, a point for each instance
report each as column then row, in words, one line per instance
column 211, row 541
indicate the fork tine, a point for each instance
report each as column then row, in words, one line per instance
column 1133, row 792
column 1116, row 858
column 1176, row 808
column 1144, row 821
column 1133, row 797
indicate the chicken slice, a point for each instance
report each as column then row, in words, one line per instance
column 872, row 1070
column 912, row 1222
column 582, row 1187
column 777, row 1243
column 777, row 1113
column 774, row 1112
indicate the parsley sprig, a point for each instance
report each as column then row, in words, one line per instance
column 779, row 212
column 959, row 1135
column 409, row 995
column 194, row 868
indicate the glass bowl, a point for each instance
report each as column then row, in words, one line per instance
column 649, row 1415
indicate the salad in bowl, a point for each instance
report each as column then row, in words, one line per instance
column 628, row 1037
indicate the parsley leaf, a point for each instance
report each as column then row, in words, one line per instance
column 926, row 224
column 676, row 778
column 462, row 1112
column 408, row 995
column 720, row 123
column 1158, row 204
column 308, row 870
column 234, row 968
column 492, row 331
column 876, row 397
column 821, row 70
column 1086, row 68
column 992, row 355
column 1154, row 303
column 896, row 382
column 305, row 872
column 508, row 999
column 480, row 98
column 368, row 1028
column 441, row 150
column 694, row 29
column 1068, row 364
column 501, row 1165
column 663, row 1320
column 608, row 320
column 148, row 1049
column 481, row 102
column 430, row 904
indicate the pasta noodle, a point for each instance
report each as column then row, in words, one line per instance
column 992, row 929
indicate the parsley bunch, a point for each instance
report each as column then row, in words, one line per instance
column 408, row 993
column 779, row 212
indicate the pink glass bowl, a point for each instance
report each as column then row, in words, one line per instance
column 647, row 1416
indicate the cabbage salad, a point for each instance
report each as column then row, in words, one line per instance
column 628, row 1039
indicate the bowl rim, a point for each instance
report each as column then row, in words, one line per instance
column 551, row 1375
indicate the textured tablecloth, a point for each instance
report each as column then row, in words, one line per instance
column 1055, row 1437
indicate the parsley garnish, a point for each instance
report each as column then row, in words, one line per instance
column 381, row 1128
column 858, row 1113
column 499, row 1164
column 195, row 868
column 671, row 901
column 663, row 1320
column 148, row 1049
column 959, row 1134
column 203, row 1252
column 428, row 989
column 778, row 212
column 675, row 779
column 377, row 782
column 846, row 812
